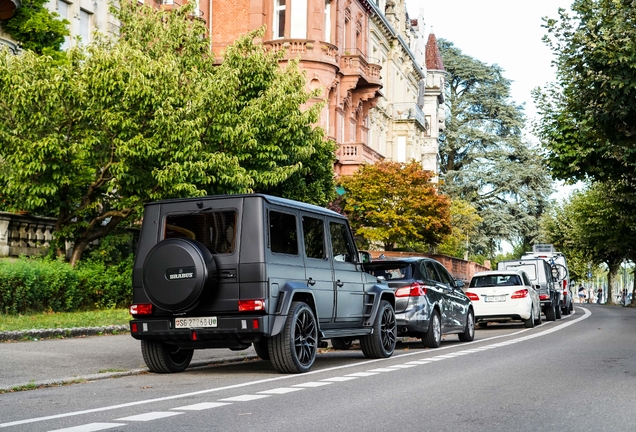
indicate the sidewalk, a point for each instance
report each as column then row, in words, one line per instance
column 57, row 361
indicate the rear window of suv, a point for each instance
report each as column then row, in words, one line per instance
column 216, row 230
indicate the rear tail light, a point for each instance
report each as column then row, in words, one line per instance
column 519, row 294
column 565, row 285
column 472, row 296
column 413, row 290
column 251, row 305
column 544, row 296
column 140, row 309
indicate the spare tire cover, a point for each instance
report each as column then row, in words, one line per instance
column 175, row 273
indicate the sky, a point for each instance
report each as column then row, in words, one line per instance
column 503, row 32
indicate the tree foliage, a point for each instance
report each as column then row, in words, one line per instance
column 485, row 160
column 464, row 224
column 396, row 205
column 594, row 227
column 150, row 116
column 588, row 120
column 37, row 29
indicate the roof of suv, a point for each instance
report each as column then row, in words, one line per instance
column 269, row 198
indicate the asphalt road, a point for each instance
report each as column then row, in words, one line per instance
column 575, row 374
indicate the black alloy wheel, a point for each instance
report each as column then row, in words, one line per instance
column 294, row 349
column 161, row 357
column 381, row 343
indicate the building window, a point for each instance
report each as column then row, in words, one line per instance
column 85, row 26
column 279, row 19
column 328, row 21
column 63, row 11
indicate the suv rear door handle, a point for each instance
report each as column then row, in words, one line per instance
column 227, row 275
column 339, row 283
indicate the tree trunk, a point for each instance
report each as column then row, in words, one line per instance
column 78, row 249
column 611, row 277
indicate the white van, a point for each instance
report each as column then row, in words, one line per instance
column 560, row 272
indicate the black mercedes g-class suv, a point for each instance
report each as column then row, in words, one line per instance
column 234, row 270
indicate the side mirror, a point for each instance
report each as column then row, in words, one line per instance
column 537, row 287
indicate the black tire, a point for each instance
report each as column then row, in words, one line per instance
column 381, row 343
column 469, row 330
column 571, row 306
column 565, row 310
column 293, row 350
column 529, row 323
column 341, row 343
column 161, row 357
column 557, row 311
column 262, row 349
column 433, row 337
column 538, row 321
column 550, row 312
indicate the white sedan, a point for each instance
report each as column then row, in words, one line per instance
column 502, row 296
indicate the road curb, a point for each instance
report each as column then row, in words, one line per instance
column 32, row 385
column 61, row 333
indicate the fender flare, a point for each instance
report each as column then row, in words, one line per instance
column 287, row 294
column 379, row 293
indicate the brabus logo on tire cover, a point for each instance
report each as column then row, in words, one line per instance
column 181, row 273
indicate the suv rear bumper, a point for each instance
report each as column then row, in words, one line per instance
column 231, row 332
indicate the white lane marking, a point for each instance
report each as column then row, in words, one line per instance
column 200, row 406
column 586, row 314
column 312, row 384
column 281, row 390
column 339, row 379
column 149, row 416
column 387, row 369
column 403, row 366
column 244, row 398
column 419, row 362
column 91, row 427
column 361, row 374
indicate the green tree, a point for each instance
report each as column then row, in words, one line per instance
column 484, row 158
column 149, row 116
column 36, row 29
column 396, row 205
column 464, row 224
column 588, row 118
column 593, row 227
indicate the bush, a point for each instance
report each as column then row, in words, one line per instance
column 30, row 285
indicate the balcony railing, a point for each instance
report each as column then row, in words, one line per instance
column 355, row 62
column 306, row 49
column 357, row 153
column 409, row 111
column 174, row 4
column 24, row 234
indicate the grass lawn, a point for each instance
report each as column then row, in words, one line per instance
column 64, row 320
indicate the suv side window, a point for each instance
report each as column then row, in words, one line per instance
column 430, row 270
column 282, row 233
column 341, row 245
column 314, row 237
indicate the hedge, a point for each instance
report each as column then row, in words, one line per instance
column 31, row 285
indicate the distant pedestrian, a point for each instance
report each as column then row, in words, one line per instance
column 599, row 295
column 581, row 294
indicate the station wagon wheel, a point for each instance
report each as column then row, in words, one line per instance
column 293, row 350
column 161, row 357
column 469, row 331
column 529, row 323
column 433, row 337
column 381, row 343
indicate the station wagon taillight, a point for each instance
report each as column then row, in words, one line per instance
column 544, row 296
column 472, row 296
column 251, row 305
column 140, row 309
column 519, row 294
column 413, row 290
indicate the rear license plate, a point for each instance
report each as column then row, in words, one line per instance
column 495, row 298
column 191, row 322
